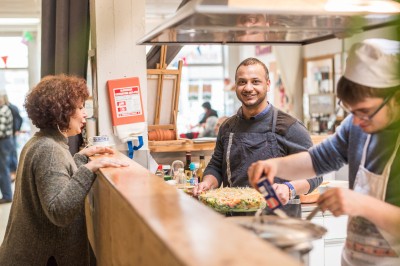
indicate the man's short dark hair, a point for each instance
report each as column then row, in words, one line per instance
column 253, row 61
column 351, row 93
column 206, row 105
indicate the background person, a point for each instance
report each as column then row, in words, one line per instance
column 258, row 131
column 6, row 147
column 368, row 141
column 219, row 123
column 208, row 112
column 17, row 123
column 205, row 128
column 209, row 127
column 47, row 224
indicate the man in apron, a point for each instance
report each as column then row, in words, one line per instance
column 258, row 131
column 368, row 141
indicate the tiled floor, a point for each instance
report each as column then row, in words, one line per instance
column 4, row 212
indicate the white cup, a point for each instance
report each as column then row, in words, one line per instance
column 103, row 141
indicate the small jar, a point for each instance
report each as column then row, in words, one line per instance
column 181, row 179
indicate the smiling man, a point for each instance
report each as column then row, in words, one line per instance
column 368, row 141
column 257, row 132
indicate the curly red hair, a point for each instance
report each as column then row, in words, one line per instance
column 54, row 100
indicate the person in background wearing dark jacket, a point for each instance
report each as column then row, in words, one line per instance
column 47, row 223
column 6, row 146
column 208, row 111
column 258, row 130
column 205, row 126
column 17, row 123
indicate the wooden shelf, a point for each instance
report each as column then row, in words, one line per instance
column 190, row 145
column 180, row 145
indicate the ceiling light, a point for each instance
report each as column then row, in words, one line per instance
column 19, row 21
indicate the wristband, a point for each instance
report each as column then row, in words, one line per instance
column 292, row 191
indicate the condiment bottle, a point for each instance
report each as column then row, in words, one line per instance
column 160, row 171
column 202, row 167
column 193, row 179
column 187, row 164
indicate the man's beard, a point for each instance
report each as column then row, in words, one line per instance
column 251, row 105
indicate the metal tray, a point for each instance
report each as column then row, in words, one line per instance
column 282, row 232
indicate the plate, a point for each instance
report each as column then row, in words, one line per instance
column 282, row 232
column 205, row 139
column 188, row 190
column 228, row 199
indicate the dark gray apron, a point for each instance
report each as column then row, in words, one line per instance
column 244, row 148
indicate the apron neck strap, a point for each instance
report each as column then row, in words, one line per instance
column 364, row 154
column 274, row 119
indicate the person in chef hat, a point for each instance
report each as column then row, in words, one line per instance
column 368, row 141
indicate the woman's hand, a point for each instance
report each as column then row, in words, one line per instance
column 92, row 150
column 94, row 165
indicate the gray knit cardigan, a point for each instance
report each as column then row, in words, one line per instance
column 47, row 214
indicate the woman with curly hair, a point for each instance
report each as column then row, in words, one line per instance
column 47, row 224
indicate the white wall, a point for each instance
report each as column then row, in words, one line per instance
column 34, row 48
column 116, row 26
column 341, row 45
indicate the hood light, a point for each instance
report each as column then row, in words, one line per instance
column 375, row 6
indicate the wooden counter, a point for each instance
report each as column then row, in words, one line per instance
column 135, row 218
column 316, row 139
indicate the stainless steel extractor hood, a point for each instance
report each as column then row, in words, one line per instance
column 271, row 21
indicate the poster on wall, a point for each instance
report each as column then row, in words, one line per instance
column 206, row 92
column 281, row 95
column 319, row 75
column 193, row 92
column 263, row 50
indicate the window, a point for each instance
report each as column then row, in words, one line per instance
column 14, row 77
column 202, row 81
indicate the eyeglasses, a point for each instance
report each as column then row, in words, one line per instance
column 364, row 116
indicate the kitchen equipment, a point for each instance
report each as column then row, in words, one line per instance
column 313, row 213
column 310, row 197
column 175, row 167
column 285, row 21
column 331, row 184
column 292, row 235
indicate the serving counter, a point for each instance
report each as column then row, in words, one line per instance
column 135, row 218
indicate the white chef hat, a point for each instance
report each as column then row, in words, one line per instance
column 374, row 63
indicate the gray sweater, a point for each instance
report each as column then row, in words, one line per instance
column 47, row 214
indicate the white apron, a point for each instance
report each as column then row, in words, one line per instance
column 366, row 244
